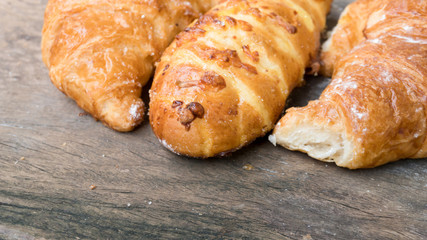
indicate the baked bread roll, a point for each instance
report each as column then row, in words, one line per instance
column 347, row 34
column 101, row 52
column 375, row 109
column 223, row 82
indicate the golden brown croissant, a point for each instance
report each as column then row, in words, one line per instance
column 223, row 82
column 375, row 109
column 347, row 34
column 101, row 52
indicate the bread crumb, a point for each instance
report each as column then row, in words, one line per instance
column 92, row 187
column 22, row 158
column 272, row 139
column 307, row 237
column 248, row 167
column 64, row 144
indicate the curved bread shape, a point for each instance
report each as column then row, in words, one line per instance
column 348, row 33
column 375, row 109
column 101, row 52
column 223, row 82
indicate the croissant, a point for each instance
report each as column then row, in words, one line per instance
column 102, row 52
column 223, row 82
column 347, row 34
column 375, row 109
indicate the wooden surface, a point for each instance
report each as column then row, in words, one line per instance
column 144, row 191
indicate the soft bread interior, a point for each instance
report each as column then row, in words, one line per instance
column 319, row 142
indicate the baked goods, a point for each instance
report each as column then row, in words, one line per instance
column 101, row 52
column 223, row 82
column 375, row 109
column 347, row 34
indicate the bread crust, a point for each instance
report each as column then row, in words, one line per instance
column 379, row 90
column 348, row 33
column 239, row 62
column 102, row 52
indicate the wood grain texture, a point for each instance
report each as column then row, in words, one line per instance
column 144, row 191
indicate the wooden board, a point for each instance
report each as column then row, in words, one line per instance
column 145, row 191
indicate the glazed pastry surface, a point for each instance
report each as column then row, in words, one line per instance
column 348, row 33
column 224, row 81
column 102, row 52
column 374, row 111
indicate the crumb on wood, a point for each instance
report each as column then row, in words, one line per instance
column 82, row 114
column 92, row 187
column 64, row 144
column 22, row 158
column 248, row 167
column 307, row 237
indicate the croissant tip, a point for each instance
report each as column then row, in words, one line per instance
column 122, row 116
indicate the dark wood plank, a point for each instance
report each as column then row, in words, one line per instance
column 144, row 191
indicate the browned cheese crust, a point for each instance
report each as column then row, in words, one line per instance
column 378, row 96
column 223, row 82
column 101, row 52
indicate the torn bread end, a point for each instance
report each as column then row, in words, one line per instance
column 272, row 139
column 322, row 143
